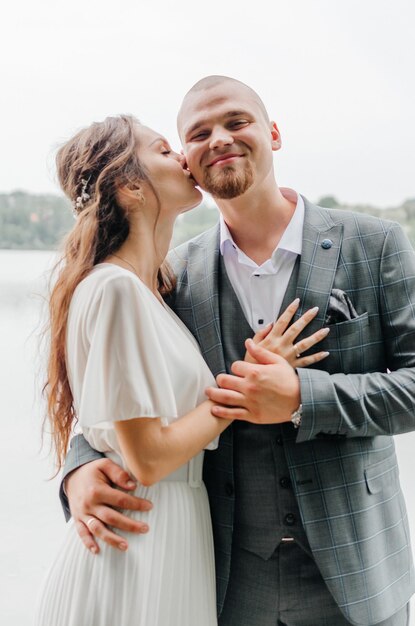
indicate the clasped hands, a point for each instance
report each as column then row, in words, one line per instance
column 264, row 388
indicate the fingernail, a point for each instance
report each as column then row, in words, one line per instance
column 315, row 309
column 94, row 549
column 131, row 484
column 326, row 353
column 144, row 529
column 325, row 331
column 147, row 507
column 123, row 546
column 296, row 301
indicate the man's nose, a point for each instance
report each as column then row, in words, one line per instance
column 220, row 137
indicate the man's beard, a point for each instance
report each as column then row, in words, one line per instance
column 227, row 183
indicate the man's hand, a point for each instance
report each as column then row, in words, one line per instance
column 263, row 393
column 93, row 500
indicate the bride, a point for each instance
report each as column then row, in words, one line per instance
column 128, row 371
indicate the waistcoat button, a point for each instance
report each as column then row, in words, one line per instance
column 285, row 482
column 289, row 519
column 278, row 439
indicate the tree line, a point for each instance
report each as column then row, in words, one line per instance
column 39, row 221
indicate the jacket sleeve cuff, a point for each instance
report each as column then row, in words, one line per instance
column 318, row 397
column 80, row 453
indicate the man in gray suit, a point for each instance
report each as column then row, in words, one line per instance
column 309, row 519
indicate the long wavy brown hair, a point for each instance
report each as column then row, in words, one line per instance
column 97, row 161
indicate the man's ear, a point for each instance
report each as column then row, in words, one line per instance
column 275, row 136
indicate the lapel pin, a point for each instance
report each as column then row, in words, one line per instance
column 326, row 244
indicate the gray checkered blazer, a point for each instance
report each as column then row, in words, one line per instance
column 343, row 465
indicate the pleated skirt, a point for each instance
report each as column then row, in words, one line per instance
column 165, row 578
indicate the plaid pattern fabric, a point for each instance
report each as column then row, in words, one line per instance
column 343, row 465
column 79, row 453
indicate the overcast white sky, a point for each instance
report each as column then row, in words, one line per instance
column 336, row 75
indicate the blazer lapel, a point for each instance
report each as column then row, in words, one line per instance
column 202, row 273
column 322, row 240
column 316, row 272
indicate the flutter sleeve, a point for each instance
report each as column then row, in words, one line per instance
column 126, row 375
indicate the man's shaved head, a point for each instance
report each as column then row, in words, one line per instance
column 222, row 115
column 209, row 82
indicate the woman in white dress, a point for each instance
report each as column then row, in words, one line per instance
column 126, row 369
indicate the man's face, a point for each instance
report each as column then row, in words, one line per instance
column 227, row 140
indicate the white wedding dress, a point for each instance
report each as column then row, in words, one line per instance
column 130, row 356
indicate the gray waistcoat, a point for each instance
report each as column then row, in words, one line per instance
column 265, row 507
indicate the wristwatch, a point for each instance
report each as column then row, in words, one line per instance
column 296, row 416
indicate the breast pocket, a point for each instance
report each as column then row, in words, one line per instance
column 347, row 342
column 350, row 327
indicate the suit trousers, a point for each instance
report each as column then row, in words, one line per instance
column 285, row 590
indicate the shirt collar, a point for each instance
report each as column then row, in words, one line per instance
column 292, row 238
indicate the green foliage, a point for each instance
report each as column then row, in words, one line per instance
column 38, row 222
column 328, row 201
column 33, row 222
column 403, row 214
column 193, row 222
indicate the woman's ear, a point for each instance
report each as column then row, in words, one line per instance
column 139, row 195
column 128, row 195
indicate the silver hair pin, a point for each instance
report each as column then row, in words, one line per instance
column 83, row 197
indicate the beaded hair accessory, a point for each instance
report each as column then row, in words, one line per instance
column 83, row 198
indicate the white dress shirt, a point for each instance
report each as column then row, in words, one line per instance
column 260, row 289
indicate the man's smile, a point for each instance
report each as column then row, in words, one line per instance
column 225, row 159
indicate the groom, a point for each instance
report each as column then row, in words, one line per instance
column 309, row 519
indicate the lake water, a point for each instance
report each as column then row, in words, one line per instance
column 31, row 521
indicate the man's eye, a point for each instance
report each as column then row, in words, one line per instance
column 199, row 136
column 166, row 152
column 238, row 123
